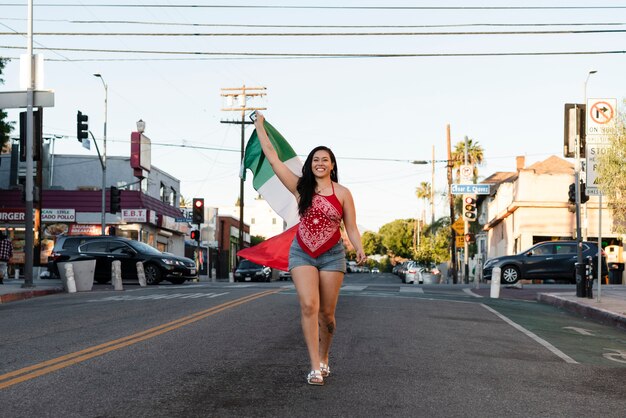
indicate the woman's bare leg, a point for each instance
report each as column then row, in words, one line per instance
column 330, row 284
column 307, row 282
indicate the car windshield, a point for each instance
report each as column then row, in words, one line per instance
column 245, row 264
column 144, row 248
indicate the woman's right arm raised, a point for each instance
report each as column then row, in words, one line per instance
column 284, row 174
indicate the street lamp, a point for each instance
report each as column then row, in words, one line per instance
column 104, row 154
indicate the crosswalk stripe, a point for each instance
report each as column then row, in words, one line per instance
column 411, row 290
column 353, row 288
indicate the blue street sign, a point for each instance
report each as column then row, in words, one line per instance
column 470, row 189
column 182, row 219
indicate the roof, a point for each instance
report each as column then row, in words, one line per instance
column 552, row 165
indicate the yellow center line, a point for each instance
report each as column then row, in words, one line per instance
column 61, row 362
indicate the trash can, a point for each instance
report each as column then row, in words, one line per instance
column 615, row 273
column 83, row 274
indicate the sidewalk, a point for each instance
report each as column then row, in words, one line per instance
column 12, row 289
column 611, row 309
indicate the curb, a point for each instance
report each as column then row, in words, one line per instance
column 12, row 297
column 598, row 314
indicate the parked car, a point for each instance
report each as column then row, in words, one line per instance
column 544, row 261
column 375, row 270
column 412, row 273
column 158, row 266
column 247, row 271
column 284, row 275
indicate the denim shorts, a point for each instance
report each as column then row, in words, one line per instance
column 332, row 260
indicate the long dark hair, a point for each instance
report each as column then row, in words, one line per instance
column 307, row 183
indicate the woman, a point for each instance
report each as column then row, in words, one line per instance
column 317, row 259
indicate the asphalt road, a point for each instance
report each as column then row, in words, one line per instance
column 227, row 349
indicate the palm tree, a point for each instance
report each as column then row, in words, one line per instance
column 475, row 155
column 423, row 192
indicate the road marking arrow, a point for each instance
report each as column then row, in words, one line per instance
column 581, row 331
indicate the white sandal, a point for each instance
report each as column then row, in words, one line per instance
column 325, row 369
column 315, row 377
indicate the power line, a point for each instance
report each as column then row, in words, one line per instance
column 326, row 55
column 230, row 6
column 234, row 25
column 316, row 34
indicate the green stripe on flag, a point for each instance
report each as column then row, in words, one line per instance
column 255, row 161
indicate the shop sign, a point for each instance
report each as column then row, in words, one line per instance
column 58, row 215
column 167, row 222
column 135, row 215
column 85, row 229
column 12, row 215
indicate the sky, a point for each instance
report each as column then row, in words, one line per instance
column 377, row 113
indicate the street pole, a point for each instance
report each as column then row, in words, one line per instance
column 242, row 94
column 104, row 157
column 28, row 186
column 451, row 204
column 432, row 189
column 466, row 231
column 584, row 208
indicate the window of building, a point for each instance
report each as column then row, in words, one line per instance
column 252, row 221
column 273, row 221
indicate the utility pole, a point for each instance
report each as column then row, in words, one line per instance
column 28, row 186
column 451, row 202
column 432, row 189
column 237, row 98
column 465, row 230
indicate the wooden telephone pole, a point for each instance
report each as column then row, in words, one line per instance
column 237, row 101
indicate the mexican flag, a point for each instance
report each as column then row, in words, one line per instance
column 273, row 252
column 264, row 179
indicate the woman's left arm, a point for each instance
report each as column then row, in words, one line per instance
column 349, row 220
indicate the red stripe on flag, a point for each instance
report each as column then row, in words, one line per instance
column 273, row 252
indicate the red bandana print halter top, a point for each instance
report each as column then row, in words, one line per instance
column 319, row 231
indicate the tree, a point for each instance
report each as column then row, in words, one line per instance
column 612, row 175
column 5, row 127
column 397, row 237
column 256, row 239
column 475, row 156
column 372, row 243
column 424, row 193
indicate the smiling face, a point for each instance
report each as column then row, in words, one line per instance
column 322, row 164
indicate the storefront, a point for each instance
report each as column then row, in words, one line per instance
column 145, row 225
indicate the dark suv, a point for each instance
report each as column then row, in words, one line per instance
column 104, row 249
column 248, row 271
column 543, row 261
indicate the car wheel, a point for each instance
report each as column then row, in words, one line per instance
column 153, row 274
column 178, row 280
column 510, row 275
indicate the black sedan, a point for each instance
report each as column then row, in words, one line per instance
column 549, row 260
column 157, row 265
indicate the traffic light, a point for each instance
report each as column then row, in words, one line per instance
column 82, row 126
column 583, row 193
column 115, row 200
column 470, row 238
column 470, row 211
column 571, row 195
column 195, row 235
column 37, row 135
column 197, row 214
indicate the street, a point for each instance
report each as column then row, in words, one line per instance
column 236, row 349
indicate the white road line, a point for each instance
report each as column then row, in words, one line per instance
column 411, row 289
column 469, row 292
column 288, row 286
column 353, row 287
column 532, row 335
